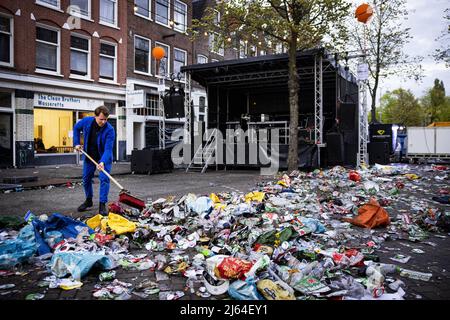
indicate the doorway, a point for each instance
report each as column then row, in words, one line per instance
column 6, row 140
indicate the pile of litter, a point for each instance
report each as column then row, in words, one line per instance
column 302, row 236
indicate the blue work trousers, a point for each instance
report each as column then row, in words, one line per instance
column 88, row 173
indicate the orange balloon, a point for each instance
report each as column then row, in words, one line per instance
column 158, row 53
column 363, row 13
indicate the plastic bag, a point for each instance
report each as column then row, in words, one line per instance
column 232, row 268
column 78, row 264
column 244, row 290
column 370, row 215
column 115, row 222
column 273, row 291
column 19, row 250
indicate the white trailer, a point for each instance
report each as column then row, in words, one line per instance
column 428, row 143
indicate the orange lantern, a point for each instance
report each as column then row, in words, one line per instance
column 363, row 13
column 158, row 53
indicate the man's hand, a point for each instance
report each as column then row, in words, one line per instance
column 78, row 147
column 101, row 166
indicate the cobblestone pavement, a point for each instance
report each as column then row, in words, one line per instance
column 435, row 260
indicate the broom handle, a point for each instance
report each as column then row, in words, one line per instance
column 104, row 171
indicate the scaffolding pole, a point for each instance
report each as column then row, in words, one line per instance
column 161, row 114
column 363, row 123
column 318, row 105
column 187, row 109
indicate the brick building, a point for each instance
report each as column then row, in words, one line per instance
column 58, row 63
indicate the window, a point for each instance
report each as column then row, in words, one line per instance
column 216, row 17
column 214, row 44
column 108, row 12
column 202, row 59
column 152, row 103
column 142, row 54
column 180, row 16
column 81, row 8
column 279, row 48
column 49, row 3
column 201, row 104
column 162, row 12
column 143, row 8
column 242, row 49
column 201, row 118
column 6, row 41
column 111, row 107
column 108, row 61
column 53, row 131
column 252, row 52
column 5, row 99
column 179, row 60
column 80, row 56
column 47, row 49
column 164, row 63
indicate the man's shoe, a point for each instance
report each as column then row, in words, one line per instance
column 102, row 209
column 85, row 205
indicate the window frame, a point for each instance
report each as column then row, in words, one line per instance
column 185, row 63
column 100, row 78
column 149, row 17
column 116, row 11
column 48, row 5
column 88, row 75
column 221, row 49
column 157, row 43
column 203, row 56
column 58, row 50
column 217, row 16
column 11, row 41
column 168, row 14
column 243, row 44
column 79, row 14
column 149, row 56
column 185, row 17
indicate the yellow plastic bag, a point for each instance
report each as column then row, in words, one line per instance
column 119, row 224
column 114, row 221
column 94, row 222
column 214, row 198
column 254, row 196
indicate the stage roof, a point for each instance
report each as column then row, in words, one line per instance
column 266, row 71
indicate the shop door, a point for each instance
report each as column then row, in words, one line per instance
column 6, row 140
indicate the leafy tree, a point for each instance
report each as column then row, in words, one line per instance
column 401, row 107
column 383, row 39
column 443, row 52
column 435, row 104
column 298, row 24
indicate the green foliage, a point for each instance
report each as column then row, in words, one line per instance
column 436, row 105
column 401, row 107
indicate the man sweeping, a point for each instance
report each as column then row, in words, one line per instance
column 99, row 138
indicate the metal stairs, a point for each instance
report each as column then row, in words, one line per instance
column 203, row 157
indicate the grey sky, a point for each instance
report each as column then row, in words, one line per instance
column 427, row 23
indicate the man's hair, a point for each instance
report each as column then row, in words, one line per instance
column 102, row 109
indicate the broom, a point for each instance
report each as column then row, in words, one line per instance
column 124, row 196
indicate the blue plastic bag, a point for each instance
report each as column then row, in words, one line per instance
column 245, row 290
column 68, row 227
column 78, row 264
column 19, row 250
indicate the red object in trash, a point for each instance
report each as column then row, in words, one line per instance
column 354, row 176
column 233, row 268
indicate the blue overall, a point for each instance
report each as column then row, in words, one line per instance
column 105, row 143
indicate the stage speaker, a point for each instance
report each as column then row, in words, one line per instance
column 348, row 116
column 350, row 147
column 151, row 161
column 173, row 105
column 378, row 152
column 381, row 133
column 335, row 148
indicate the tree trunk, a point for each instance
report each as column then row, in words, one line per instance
column 293, row 86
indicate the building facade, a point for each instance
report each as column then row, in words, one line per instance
column 59, row 60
